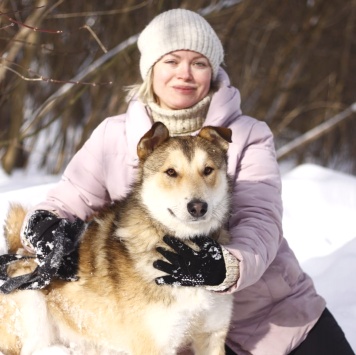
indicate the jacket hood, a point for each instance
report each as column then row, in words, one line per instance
column 224, row 107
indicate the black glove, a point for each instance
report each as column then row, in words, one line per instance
column 55, row 241
column 188, row 267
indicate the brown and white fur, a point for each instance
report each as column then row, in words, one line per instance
column 116, row 306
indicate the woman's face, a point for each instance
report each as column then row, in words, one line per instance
column 181, row 79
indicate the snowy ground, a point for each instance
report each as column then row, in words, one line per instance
column 319, row 223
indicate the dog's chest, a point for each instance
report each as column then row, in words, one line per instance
column 194, row 310
column 194, row 304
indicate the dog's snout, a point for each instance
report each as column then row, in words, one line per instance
column 197, row 208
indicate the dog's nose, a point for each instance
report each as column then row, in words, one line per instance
column 197, row 208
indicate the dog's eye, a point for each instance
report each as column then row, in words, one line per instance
column 208, row 170
column 171, row 172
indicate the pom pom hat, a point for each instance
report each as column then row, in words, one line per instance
column 175, row 30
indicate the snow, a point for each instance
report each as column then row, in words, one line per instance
column 319, row 224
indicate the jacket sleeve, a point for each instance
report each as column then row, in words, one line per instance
column 81, row 190
column 256, row 217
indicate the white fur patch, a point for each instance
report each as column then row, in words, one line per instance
column 37, row 330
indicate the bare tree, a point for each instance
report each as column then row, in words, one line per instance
column 63, row 66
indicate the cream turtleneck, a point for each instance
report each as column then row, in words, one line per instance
column 183, row 121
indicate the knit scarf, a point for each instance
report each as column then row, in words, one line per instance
column 184, row 121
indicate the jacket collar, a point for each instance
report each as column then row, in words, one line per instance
column 224, row 107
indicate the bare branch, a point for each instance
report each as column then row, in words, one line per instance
column 39, row 77
column 95, row 37
column 315, row 133
column 36, row 29
column 99, row 13
column 63, row 90
column 14, row 48
column 20, row 75
column 7, row 26
column 302, row 109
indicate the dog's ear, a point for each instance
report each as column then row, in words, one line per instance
column 219, row 136
column 152, row 139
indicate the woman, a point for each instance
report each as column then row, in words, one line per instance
column 276, row 308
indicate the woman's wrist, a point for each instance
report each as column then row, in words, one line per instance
column 232, row 272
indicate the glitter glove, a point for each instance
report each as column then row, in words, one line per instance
column 55, row 243
column 190, row 267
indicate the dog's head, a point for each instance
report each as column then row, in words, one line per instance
column 184, row 179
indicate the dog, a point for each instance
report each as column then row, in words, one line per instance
column 116, row 307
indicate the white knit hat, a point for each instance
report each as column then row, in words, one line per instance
column 178, row 29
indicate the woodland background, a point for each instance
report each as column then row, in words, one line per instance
column 64, row 65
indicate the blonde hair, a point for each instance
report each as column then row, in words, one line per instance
column 144, row 91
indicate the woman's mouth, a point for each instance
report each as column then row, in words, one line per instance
column 184, row 89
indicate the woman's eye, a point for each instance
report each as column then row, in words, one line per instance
column 171, row 61
column 200, row 64
column 208, row 170
column 171, row 172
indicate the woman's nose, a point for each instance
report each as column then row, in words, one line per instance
column 184, row 71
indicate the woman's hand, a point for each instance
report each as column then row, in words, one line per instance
column 54, row 241
column 189, row 267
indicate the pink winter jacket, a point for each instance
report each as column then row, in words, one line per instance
column 275, row 303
